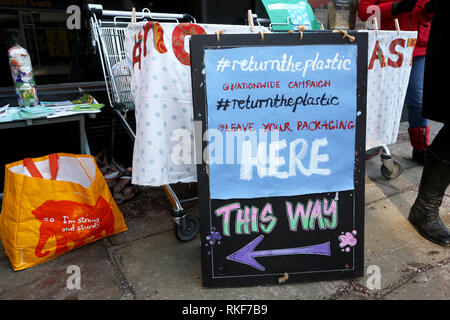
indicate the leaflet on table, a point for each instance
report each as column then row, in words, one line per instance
column 74, row 109
column 15, row 113
column 4, row 114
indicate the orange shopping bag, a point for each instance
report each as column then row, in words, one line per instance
column 52, row 205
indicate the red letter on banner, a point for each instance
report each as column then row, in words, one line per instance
column 399, row 62
column 178, row 35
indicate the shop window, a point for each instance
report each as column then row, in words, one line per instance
column 58, row 54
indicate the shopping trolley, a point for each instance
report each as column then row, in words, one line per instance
column 108, row 29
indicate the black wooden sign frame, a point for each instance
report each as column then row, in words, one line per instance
column 217, row 268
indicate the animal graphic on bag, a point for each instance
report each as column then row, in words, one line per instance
column 70, row 221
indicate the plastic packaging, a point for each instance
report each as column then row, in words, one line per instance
column 22, row 74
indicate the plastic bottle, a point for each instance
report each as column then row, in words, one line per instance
column 22, row 74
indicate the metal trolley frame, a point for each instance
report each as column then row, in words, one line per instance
column 108, row 30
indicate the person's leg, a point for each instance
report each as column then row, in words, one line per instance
column 435, row 179
column 441, row 143
column 419, row 131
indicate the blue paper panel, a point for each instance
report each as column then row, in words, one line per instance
column 281, row 120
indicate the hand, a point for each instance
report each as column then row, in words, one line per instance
column 403, row 6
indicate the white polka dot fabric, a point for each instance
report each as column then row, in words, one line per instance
column 389, row 67
column 161, row 88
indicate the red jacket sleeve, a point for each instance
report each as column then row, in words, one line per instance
column 427, row 16
column 385, row 9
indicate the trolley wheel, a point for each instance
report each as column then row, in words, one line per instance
column 395, row 173
column 188, row 228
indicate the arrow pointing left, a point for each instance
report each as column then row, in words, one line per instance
column 247, row 254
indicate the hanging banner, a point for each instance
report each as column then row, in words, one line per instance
column 158, row 58
column 389, row 67
column 281, row 185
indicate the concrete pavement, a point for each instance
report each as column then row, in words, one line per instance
column 147, row 262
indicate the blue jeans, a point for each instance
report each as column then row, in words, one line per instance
column 414, row 94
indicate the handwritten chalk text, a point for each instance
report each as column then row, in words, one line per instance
column 321, row 214
column 251, row 85
column 277, row 102
column 286, row 64
column 270, row 166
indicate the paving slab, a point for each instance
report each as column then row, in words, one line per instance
column 393, row 244
column 143, row 223
column 149, row 214
column 410, row 179
column 354, row 296
column 160, row 267
column 48, row 281
column 431, row 285
column 377, row 191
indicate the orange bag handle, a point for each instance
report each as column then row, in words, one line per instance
column 53, row 161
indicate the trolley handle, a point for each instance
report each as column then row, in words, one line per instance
column 97, row 9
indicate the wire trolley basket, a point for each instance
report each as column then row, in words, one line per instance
column 109, row 31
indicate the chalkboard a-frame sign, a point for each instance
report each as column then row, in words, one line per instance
column 281, row 181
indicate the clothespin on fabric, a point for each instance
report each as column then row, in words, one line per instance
column 133, row 16
column 250, row 21
column 345, row 35
column 300, row 30
column 397, row 26
column 375, row 24
column 218, row 33
column 261, row 35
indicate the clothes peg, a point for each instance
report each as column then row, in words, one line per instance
column 218, row 33
column 397, row 26
column 375, row 25
column 262, row 35
column 300, row 31
column 345, row 35
column 250, row 21
column 133, row 16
